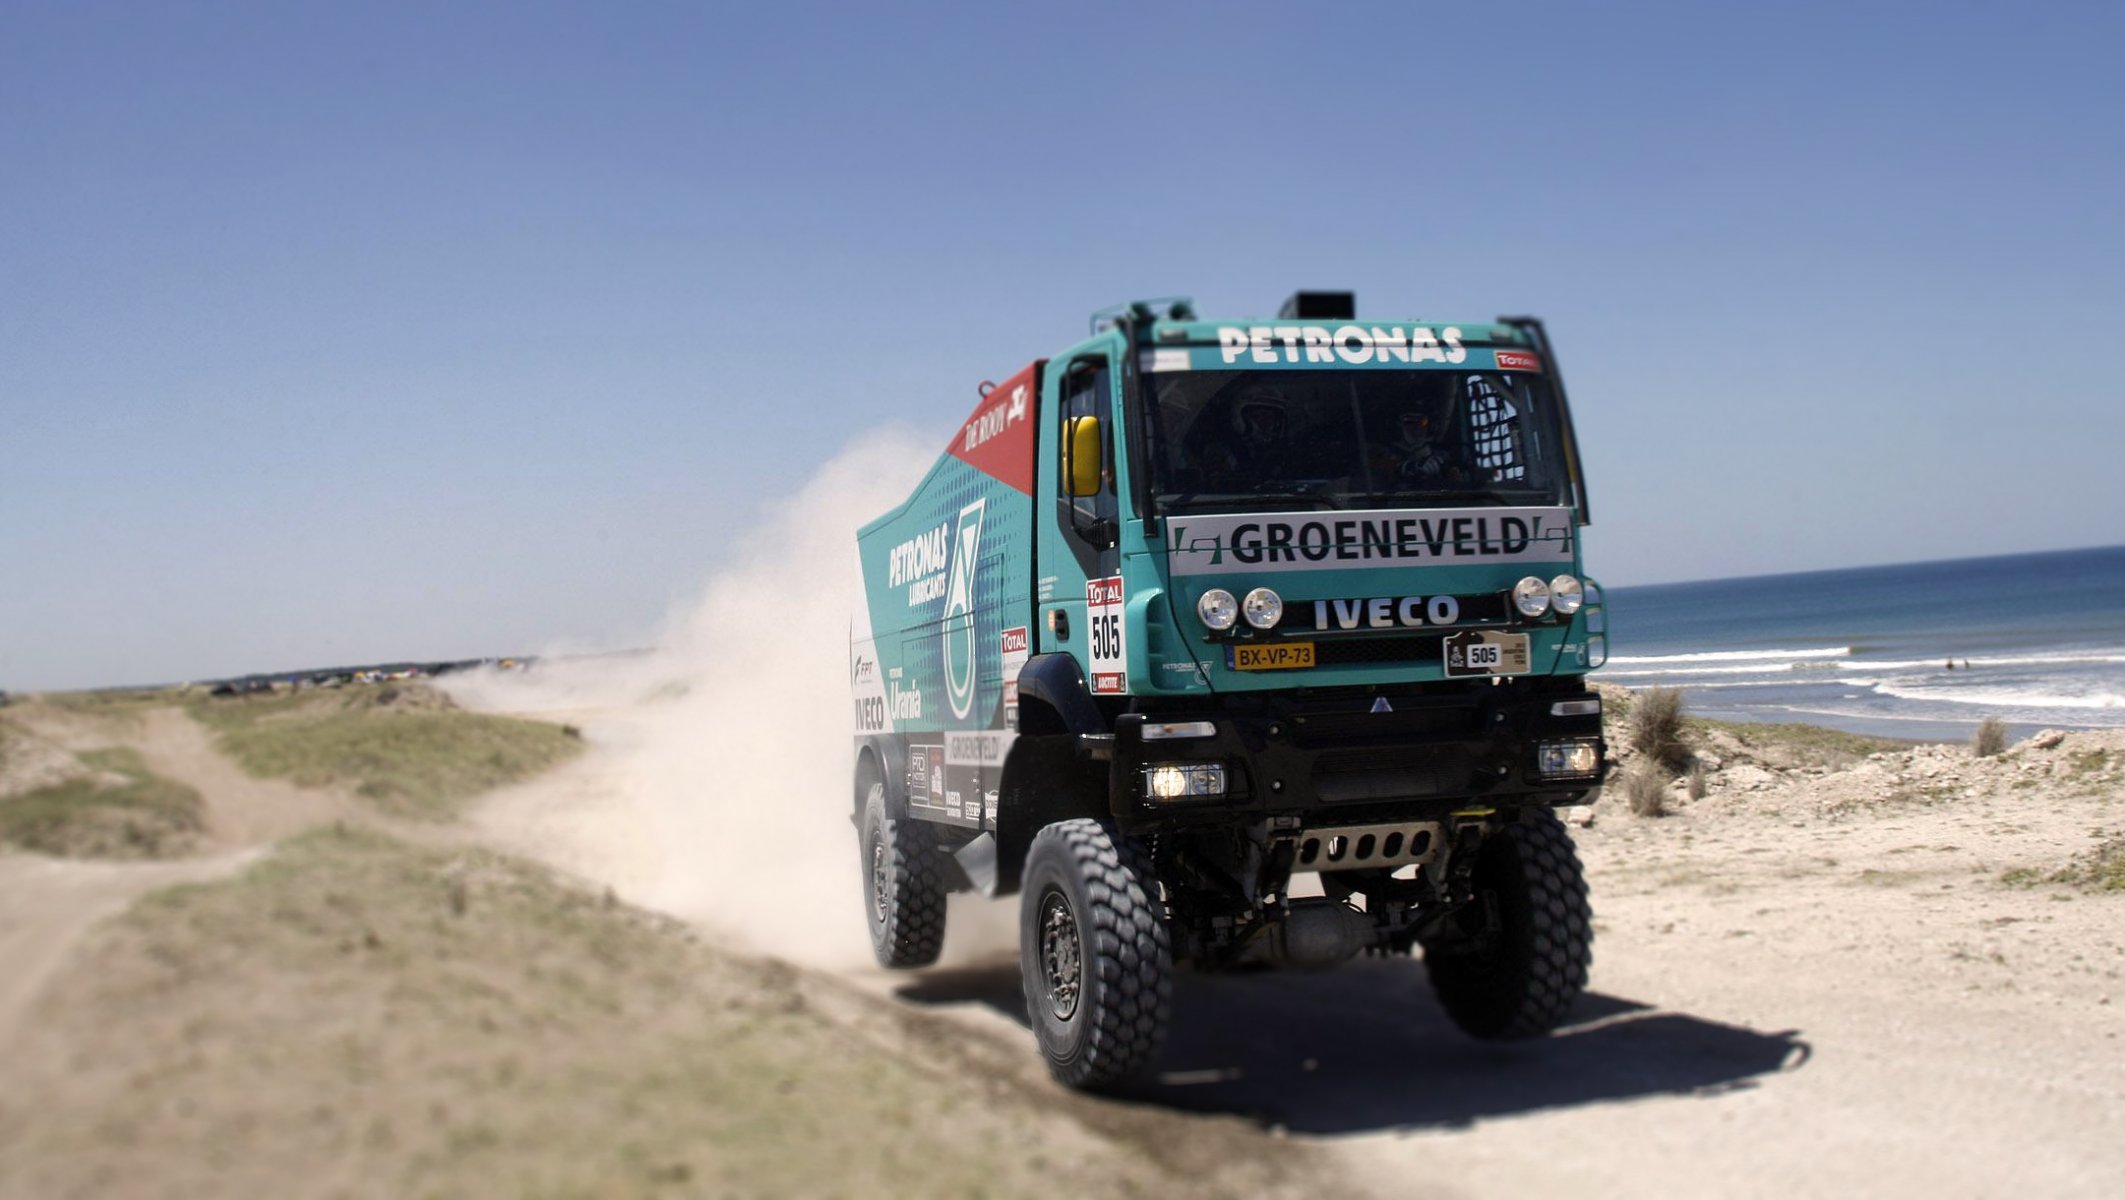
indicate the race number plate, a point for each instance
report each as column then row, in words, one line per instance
column 1103, row 620
column 1486, row 652
column 1279, row 656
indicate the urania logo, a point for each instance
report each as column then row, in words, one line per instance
column 958, row 632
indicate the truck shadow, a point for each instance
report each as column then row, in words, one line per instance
column 1366, row 1048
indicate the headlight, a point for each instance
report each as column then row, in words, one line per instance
column 1183, row 780
column 1531, row 597
column 1263, row 607
column 1565, row 595
column 1218, row 609
column 1567, row 760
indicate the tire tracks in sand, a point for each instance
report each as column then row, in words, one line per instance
column 47, row 905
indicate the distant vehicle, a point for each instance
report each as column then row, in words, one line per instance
column 1199, row 607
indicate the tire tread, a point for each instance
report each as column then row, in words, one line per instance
column 912, row 934
column 1544, row 978
column 1129, row 954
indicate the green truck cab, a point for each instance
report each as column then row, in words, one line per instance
column 1240, row 642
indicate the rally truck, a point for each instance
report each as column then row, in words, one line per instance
column 1236, row 644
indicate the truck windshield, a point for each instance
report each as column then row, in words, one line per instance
column 1222, row 440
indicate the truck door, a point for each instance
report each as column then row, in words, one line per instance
column 1079, row 543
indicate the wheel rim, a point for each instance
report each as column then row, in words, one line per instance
column 1062, row 960
column 881, row 892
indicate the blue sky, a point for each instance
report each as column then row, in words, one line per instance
column 338, row 333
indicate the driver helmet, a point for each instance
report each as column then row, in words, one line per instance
column 1262, row 414
column 1416, row 429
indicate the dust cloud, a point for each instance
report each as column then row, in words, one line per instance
column 718, row 784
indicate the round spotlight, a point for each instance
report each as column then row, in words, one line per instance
column 1263, row 608
column 1218, row 609
column 1566, row 595
column 1531, row 597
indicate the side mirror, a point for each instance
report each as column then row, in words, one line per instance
column 1082, row 464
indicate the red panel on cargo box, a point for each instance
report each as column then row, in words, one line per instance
column 998, row 439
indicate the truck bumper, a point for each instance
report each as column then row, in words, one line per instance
column 1362, row 754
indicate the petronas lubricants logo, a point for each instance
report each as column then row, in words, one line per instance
column 958, row 630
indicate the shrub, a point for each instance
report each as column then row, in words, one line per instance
column 1990, row 738
column 1645, row 789
column 1697, row 781
column 1656, row 727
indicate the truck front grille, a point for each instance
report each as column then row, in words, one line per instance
column 1406, row 720
column 1364, row 652
column 1397, row 773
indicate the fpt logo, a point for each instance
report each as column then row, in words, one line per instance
column 958, row 630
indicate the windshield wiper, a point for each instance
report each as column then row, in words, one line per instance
column 1312, row 490
column 1246, row 501
column 1428, row 497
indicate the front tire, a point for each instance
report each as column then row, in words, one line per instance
column 1524, row 964
column 1093, row 953
column 903, row 891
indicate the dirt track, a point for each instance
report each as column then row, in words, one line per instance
column 46, row 904
column 1798, row 988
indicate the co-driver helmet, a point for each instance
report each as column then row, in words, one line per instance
column 1261, row 414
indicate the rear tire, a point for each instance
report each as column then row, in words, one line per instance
column 1517, row 976
column 903, row 890
column 1093, row 953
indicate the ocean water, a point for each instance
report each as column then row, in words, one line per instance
column 1920, row 650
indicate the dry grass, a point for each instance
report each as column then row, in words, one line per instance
column 408, row 749
column 2084, row 766
column 122, row 704
column 359, row 1016
column 1989, row 739
column 1645, row 788
column 1785, row 746
column 116, row 808
column 1655, row 727
column 2101, row 869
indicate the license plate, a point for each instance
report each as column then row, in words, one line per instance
column 1486, row 652
column 1280, row 656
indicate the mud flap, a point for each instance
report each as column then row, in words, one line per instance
column 977, row 864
